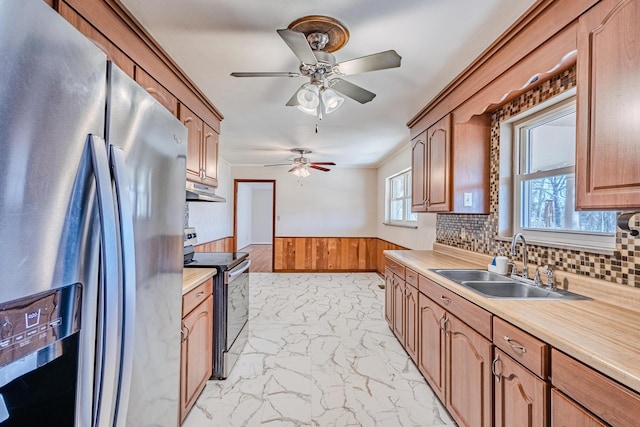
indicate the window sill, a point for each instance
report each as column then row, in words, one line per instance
column 568, row 246
column 400, row 225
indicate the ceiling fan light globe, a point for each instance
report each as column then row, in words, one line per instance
column 308, row 96
column 311, row 111
column 331, row 100
column 303, row 172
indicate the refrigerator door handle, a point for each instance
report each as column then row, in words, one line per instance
column 107, row 357
column 128, row 259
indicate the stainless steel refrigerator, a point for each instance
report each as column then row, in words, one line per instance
column 92, row 179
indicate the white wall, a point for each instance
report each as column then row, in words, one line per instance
column 425, row 235
column 243, row 216
column 214, row 221
column 339, row 203
column 261, row 215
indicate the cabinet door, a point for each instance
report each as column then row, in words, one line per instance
column 194, row 146
column 431, row 344
column 469, row 382
column 608, row 66
column 210, row 156
column 411, row 321
column 196, row 354
column 398, row 307
column 388, row 297
column 419, row 173
column 521, row 398
column 162, row 95
column 567, row 413
column 438, row 166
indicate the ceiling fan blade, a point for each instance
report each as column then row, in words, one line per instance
column 323, row 163
column 266, row 74
column 320, row 168
column 298, row 43
column 278, row 164
column 296, row 167
column 352, row 91
column 377, row 61
column 294, row 99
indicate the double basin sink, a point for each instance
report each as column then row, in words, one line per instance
column 493, row 285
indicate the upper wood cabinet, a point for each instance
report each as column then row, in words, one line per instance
column 608, row 70
column 162, row 95
column 202, row 149
column 113, row 53
column 210, row 164
column 450, row 166
column 438, row 161
column 419, row 173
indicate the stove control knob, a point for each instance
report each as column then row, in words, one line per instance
column 7, row 327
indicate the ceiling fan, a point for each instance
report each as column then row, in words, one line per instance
column 301, row 163
column 312, row 39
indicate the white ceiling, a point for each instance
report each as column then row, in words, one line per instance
column 209, row 39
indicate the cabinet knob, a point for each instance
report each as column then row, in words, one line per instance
column 494, row 367
column 184, row 336
column 515, row 345
column 445, row 300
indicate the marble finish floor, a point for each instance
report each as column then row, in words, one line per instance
column 319, row 354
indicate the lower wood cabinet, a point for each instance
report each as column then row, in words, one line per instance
column 398, row 286
column 388, row 297
column 521, row 398
column 411, row 321
column 567, row 413
column 197, row 346
column 614, row 403
column 469, row 388
column 431, row 344
column 455, row 360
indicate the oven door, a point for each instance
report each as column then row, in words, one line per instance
column 236, row 335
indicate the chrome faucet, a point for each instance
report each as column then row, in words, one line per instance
column 550, row 279
column 525, row 268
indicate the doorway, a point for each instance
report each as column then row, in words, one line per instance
column 254, row 206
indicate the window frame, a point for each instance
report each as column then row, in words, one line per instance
column 406, row 221
column 519, row 130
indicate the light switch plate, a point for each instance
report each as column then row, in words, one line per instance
column 468, row 199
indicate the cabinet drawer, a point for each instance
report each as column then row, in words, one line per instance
column 522, row 347
column 566, row 413
column 411, row 277
column 191, row 299
column 474, row 316
column 614, row 403
column 396, row 267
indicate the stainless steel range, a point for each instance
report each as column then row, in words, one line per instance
column 230, row 301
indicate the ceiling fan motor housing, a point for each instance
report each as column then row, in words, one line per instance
column 318, row 41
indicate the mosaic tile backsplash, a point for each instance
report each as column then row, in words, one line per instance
column 478, row 232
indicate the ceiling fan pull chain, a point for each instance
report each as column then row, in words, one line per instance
column 316, row 128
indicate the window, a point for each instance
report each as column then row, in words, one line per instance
column 398, row 211
column 544, row 182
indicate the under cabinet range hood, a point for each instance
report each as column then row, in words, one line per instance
column 202, row 193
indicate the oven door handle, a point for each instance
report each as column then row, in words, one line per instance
column 241, row 268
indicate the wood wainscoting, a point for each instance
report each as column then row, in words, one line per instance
column 226, row 244
column 323, row 254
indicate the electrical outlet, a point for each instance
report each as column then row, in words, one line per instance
column 468, row 199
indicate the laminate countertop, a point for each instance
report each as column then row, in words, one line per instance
column 602, row 332
column 192, row 277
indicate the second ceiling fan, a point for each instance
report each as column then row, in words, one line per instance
column 312, row 39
